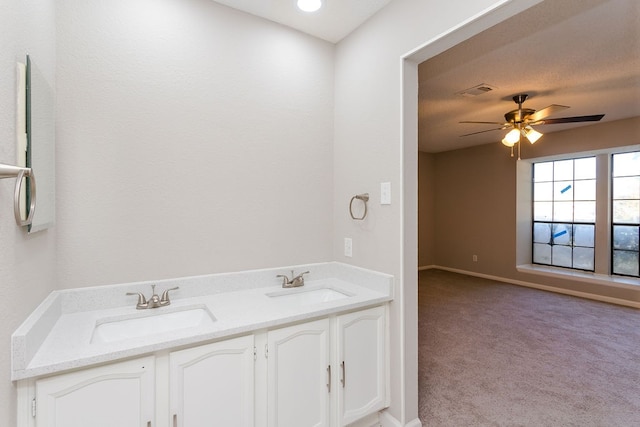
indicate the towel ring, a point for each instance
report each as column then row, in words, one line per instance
column 365, row 198
column 19, row 173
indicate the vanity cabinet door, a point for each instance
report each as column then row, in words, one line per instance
column 212, row 385
column 120, row 394
column 297, row 375
column 361, row 366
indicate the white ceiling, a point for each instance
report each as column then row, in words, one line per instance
column 580, row 53
column 335, row 20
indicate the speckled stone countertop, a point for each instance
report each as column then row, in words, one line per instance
column 57, row 336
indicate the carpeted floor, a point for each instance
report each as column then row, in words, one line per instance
column 494, row 354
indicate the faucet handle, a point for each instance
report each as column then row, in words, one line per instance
column 299, row 279
column 142, row 301
column 285, row 279
column 164, row 300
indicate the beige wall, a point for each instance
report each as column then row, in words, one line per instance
column 475, row 203
column 426, row 209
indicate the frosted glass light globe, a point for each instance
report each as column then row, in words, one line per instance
column 309, row 5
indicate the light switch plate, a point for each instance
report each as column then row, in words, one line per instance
column 385, row 193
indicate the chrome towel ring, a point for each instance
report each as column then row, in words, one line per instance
column 365, row 198
column 8, row 171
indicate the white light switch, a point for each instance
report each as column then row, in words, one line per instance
column 385, row 193
column 348, row 247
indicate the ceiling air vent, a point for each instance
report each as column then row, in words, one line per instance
column 477, row 90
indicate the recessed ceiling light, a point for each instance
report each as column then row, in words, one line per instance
column 309, row 5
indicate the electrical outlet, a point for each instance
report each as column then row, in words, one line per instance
column 348, row 247
column 475, row 258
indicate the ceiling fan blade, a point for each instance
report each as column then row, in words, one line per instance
column 483, row 131
column 487, row 123
column 576, row 119
column 545, row 112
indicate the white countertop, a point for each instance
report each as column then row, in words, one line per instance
column 57, row 335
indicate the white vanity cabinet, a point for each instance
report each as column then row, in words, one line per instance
column 361, row 364
column 212, row 384
column 298, row 375
column 119, row 394
column 329, row 372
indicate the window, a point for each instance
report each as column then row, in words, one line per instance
column 625, row 208
column 564, row 213
column 567, row 193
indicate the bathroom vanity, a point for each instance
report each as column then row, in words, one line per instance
column 231, row 350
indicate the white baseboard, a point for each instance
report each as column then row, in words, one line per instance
column 586, row 295
column 388, row 420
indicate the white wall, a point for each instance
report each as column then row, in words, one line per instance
column 193, row 139
column 27, row 262
column 370, row 82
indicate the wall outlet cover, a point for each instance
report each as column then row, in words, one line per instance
column 348, row 247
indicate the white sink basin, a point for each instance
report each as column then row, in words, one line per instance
column 150, row 323
column 302, row 296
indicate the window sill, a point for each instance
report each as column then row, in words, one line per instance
column 583, row 276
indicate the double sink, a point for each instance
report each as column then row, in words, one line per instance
column 168, row 319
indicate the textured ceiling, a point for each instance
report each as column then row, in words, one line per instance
column 335, row 20
column 580, row 53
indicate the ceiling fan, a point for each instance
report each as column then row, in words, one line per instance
column 521, row 120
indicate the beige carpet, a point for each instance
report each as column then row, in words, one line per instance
column 493, row 354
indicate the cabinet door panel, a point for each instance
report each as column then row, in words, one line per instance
column 212, row 385
column 298, row 359
column 361, row 348
column 120, row 394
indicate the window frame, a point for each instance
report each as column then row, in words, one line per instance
column 552, row 222
column 524, row 221
column 613, row 223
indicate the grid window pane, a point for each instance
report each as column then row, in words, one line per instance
column 626, row 263
column 563, row 170
column 561, row 256
column 542, row 211
column 543, row 172
column 563, row 190
column 584, row 235
column 562, row 234
column 584, row 211
column 542, row 233
column 626, row 237
column 626, row 164
column 543, row 191
column 563, row 211
column 627, row 187
column 542, row 253
column 585, row 190
column 585, row 168
column 626, row 211
column 583, row 258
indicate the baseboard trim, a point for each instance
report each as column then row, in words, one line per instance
column 586, row 295
column 388, row 420
column 427, row 267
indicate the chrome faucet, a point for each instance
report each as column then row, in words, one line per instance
column 294, row 282
column 155, row 301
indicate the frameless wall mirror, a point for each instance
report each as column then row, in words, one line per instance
column 39, row 153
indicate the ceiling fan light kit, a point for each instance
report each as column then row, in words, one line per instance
column 521, row 120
